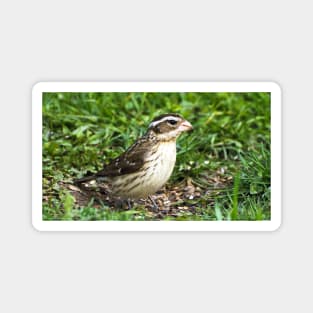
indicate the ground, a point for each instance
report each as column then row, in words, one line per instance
column 174, row 202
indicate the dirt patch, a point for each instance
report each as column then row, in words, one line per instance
column 181, row 199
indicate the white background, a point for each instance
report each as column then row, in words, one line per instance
column 160, row 40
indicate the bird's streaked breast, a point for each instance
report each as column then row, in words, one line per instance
column 157, row 169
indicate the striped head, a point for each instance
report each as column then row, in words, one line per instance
column 168, row 127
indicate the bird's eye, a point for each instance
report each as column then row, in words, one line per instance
column 172, row 122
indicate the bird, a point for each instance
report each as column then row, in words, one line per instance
column 146, row 166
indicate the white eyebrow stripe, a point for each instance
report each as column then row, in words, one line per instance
column 163, row 119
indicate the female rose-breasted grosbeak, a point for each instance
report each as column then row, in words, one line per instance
column 147, row 165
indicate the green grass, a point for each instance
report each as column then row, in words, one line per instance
column 230, row 141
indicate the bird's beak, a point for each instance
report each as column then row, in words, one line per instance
column 185, row 126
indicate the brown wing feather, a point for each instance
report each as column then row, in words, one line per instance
column 128, row 162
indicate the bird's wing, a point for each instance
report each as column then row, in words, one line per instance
column 128, row 162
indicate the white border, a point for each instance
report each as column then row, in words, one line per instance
column 42, row 87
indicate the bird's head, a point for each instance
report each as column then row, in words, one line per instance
column 168, row 127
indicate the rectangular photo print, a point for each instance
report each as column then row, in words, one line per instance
column 156, row 156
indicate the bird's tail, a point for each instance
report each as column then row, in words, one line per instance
column 84, row 179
